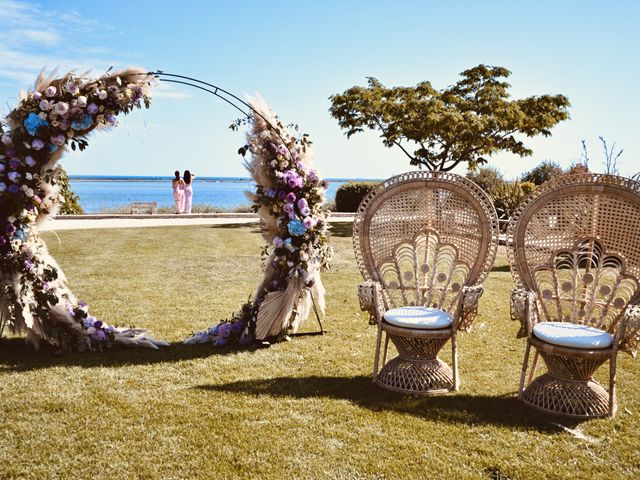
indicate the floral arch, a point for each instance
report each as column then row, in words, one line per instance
column 60, row 113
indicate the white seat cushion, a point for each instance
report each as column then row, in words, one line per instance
column 567, row 334
column 419, row 318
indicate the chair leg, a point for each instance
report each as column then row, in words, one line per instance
column 524, row 369
column 376, row 358
column 454, row 362
column 534, row 366
column 386, row 349
column 612, row 384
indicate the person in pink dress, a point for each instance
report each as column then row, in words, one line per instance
column 188, row 190
column 178, row 186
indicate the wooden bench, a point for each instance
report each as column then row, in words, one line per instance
column 144, row 208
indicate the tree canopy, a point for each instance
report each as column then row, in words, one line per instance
column 543, row 172
column 439, row 129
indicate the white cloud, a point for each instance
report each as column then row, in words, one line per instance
column 166, row 90
column 29, row 41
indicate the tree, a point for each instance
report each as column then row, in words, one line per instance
column 465, row 122
column 487, row 178
column 542, row 172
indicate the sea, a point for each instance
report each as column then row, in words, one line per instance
column 101, row 194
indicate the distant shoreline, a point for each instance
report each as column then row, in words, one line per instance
column 134, row 178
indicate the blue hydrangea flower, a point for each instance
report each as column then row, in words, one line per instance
column 33, row 122
column 296, row 227
column 82, row 124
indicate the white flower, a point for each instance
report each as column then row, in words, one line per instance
column 50, row 91
column 72, row 88
column 44, row 105
column 102, row 94
column 82, row 101
column 28, row 176
column 61, row 108
column 36, row 95
column 42, row 115
column 29, row 192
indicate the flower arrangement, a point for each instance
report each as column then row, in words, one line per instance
column 290, row 201
column 54, row 115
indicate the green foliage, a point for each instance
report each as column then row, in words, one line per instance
column 70, row 202
column 508, row 196
column 349, row 195
column 487, row 178
column 542, row 172
column 466, row 122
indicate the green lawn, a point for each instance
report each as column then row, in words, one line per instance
column 300, row 409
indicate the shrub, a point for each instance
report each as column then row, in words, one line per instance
column 508, row 197
column 487, row 178
column 543, row 172
column 349, row 195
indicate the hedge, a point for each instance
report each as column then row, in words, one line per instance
column 349, row 195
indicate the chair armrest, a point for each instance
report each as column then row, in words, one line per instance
column 370, row 296
column 628, row 331
column 468, row 309
column 523, row 309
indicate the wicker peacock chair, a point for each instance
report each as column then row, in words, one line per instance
column 424, row 242
column 574, row 249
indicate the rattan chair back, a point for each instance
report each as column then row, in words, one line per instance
column 424, row 236
column 575, row 241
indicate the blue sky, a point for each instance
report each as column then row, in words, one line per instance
column 298, row 53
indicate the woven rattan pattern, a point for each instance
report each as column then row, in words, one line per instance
column 575, row 256
column 423, row 236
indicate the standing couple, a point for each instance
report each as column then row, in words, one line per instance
column 183, row 191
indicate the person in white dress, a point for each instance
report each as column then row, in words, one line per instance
column 188, row 190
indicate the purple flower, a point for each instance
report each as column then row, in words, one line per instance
column 30, row 161
column 281, row 195
column 288, row 207
column 6, row 139
column 270, row 192
column 224, row 329
column 296, row 228
column 282, row 150
column 97, row 324
column 28, row 265
column 37, row 144
column 293, row 179
column 58, row 139
column 14, row 163
column 111, row 120
column 14, row 176
column 99, row 336
column 13, row 188
column 50, row 91
column 278, row 242
column 92, row 108
column 307, row 222
column 303, row 203
column 37, row 95
column 312, row 176
column 10, row 228
column 291, row 197
column 2, row 167
column 3, row 187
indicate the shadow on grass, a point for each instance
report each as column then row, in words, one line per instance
column 255, row 228
column 451, row 408
column 17, row 356
column 341, row 229
column 501, row 268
